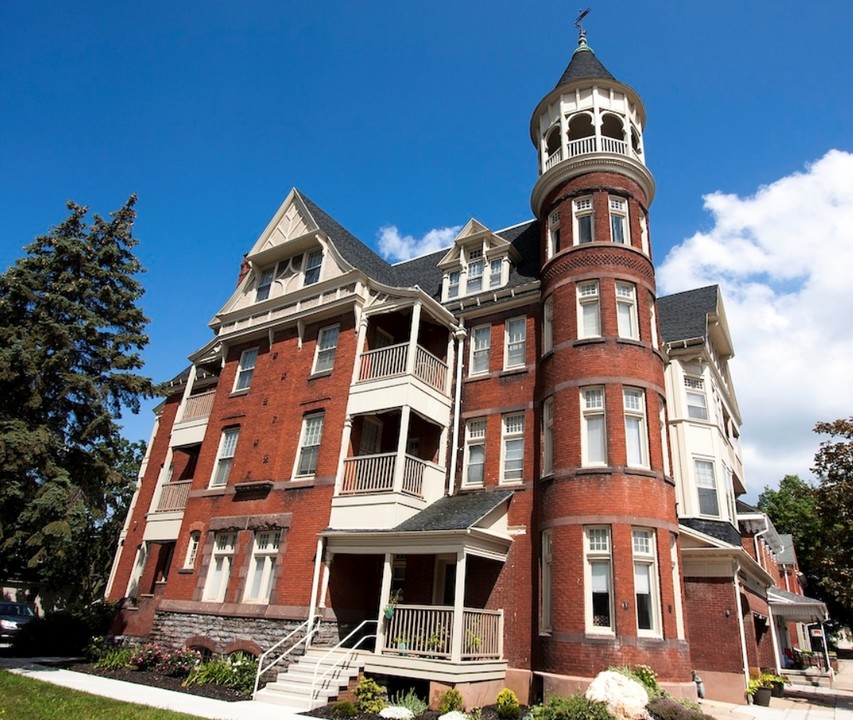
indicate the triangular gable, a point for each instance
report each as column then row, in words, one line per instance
column 690, row 538
column 473, row 230
column 293, row 220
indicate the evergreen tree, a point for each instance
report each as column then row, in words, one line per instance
column 71, row 333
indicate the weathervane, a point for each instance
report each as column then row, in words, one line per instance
column 581, row 16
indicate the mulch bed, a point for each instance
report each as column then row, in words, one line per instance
column 487, row 712
column 158, row 680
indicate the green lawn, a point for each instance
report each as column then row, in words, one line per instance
column 22, row 698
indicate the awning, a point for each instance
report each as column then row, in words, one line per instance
column 797, row 608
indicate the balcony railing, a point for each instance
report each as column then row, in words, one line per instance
column 173, row 496
column 365, row 474
column 392, row 360
column 198, row 407
column 589, row 145
column 427, row 631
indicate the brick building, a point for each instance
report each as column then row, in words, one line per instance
column 460, row 463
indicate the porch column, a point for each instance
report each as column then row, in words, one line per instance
column 345, row 440
column 774, row 636
column 400, row 461
column 384, row 592
column 324, row 583
column 451, row 362
column 359, row 349
column 458, row 609
column 318, row 561
column 413, row 338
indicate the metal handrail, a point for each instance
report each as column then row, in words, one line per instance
column 311, row 629
column 343, row 658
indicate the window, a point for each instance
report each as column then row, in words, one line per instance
column 516, row 342
column 246, row 369
column 327, row 345
column 589, row 310
column 453, row 283
column 676, row 583
column 619, row 221
column 548, row 326
column 219, row 571
column 475, row 271
column 192, row 549
column 309, row 446
column 706, row 484
column 626, row 311
column 547, row 557
column 599, row 595
column 553, row 233
column 475, row 452
column 312, row 267
column 645, row 582
column 513, row 448
column 653, row 322
column 644, row 233
column 697, row 407
column 593, row 438
column 260, row 581
column 636, row 437
column 548, row 436
column 481, row 340
column 225, row 458
column 262, row 292
column 583, row 220
column 664, row 442
column 496, row 272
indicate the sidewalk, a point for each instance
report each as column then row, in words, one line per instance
column 145, row 695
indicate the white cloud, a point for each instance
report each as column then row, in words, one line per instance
column 784, row 259
column 394, row 246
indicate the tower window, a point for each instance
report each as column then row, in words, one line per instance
column 697, row 407
column 645, row 581
column 548, row 436
column 636, row 437
column 553, row 233
column 589, row 310
column 548, row 326
column 598, row 577
column 619, row 221
column 626, row 311
column 593, row 437
column 583, row 220
column 706, row 486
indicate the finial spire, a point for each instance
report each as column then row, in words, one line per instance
column 581, row 32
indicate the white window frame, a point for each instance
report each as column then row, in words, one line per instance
column 636, row 427
column 548, row 326
column 245, row 369
column 589, row 309
column 644, row 233
column 620, row 231
column 598, row 557
column 705, row 472
column 626, row 311
column 664, row 436
column 553, row 245
column 697, row 400
column 475, row 448
column 582, row 209
column 548, row 436
column 676, row 584
column 653, row 320
column 225, row 457
column 312, row 268
column 475, row 271
column 220, row 567
column 644, row 547
column 193, row 542
column 593, row 417
column 327, row 347
column 454, row 279
column 515, row 343
column 512, row 448
column 309, row 445
column 265, row 280
column 496, row 272
column 259, row 581
column 547, row 581
column 480, row 350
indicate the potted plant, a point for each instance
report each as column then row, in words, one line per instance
column 393, row 599
column 402, row 643
column 760, row 689
column 777, row 684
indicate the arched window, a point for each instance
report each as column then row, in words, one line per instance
column 612, row 126
column 580, row 126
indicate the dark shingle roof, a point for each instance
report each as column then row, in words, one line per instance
column 584, row 66
column 744, row 508
column 684, row 316
column 715, row 528
column 423, row 272
column 456, row 512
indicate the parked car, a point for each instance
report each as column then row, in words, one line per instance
column 12, row 616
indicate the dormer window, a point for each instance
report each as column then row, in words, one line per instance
column 312, row 267
column 287, row 274
column 453, row 284
column 478, row 273
column 264, row 284
column 475, row 271
column 496, row 272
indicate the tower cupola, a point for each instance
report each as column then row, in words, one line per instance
column 589, row 122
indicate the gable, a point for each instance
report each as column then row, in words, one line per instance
column 292, row 223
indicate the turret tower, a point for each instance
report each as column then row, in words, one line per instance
column 611, row 588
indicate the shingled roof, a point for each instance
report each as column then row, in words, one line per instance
column 684, row 315
column 584, row 66
column 456, row 512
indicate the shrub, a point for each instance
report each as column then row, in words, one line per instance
column 178, row 663
column 244, row 668
column 644, row 675
column 116, row 658
column 63, row 632
column 237, row 671
column 507, row 705
column 343, row 710
column 410, row 701
column 370, row 695
column 146, row 657
column 450, row 700
column 574, row 707
column 665, row 708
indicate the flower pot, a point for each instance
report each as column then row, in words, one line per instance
column 762, row 696
column 778, row 689
column 389, row 612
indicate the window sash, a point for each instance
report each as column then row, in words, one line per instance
column 262, row 292
column 313, row 264
column 706, row 484
column 496, row 272
column 481, row 339
column 312, row 433
column 225, row 459
column 453, row 283
column 548, row 326
column 626, row 311
column 327, row 347
column 475, row 276
column 697, row 408
column 516, row 342
column 246, row 368
column 548, row 436
column 513, row 448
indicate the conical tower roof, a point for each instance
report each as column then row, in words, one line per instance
column 584, row 65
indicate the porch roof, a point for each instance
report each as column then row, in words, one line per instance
column 798, row 608
column 454, row 512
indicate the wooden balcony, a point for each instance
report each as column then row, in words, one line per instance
column 198, row 407
column 173, row 496
column 366, row 474
column 393, row 360
column 584, row 146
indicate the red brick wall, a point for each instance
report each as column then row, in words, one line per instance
column 714, row 636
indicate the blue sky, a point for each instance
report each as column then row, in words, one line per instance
column 415, row 116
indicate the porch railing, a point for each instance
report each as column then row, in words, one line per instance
column 198, row 407
column 368, row 474
column 173, row 496
column 430, row 369
column 384, row 362
column 426, row 631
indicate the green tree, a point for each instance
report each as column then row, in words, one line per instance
column 834, row 503
column 71, row 333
